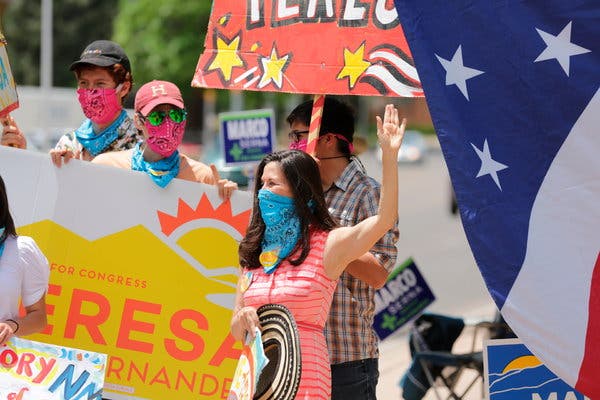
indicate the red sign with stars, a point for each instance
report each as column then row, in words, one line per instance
column 308, row 46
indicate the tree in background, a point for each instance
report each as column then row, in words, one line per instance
column 163, row 40
column 76, row 23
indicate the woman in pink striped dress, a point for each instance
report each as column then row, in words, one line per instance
column 293, row 254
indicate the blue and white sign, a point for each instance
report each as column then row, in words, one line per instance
column 513, row 373
column 403, row 298
column 247, row 136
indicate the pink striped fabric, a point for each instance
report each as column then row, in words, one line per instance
column 307, row 292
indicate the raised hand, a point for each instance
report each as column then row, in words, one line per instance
column 224, row 186
column 390, row 131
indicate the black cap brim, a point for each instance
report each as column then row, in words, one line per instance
column 95, row 61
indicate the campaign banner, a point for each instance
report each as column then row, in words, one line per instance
column 36, row 371
column 307, row 46
column 8, row 89
column 246, row 136
column 512, row 372
column 403, row 298
column 143, row 274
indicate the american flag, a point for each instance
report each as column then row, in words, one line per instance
column 513, row 90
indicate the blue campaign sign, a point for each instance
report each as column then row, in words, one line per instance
column 512, row 372
column 404, row 296
column 247, row 136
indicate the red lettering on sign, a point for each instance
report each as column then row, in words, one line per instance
column 129, row 324
column 215, row 383
column 226, row 350
column 189, row 336
column 188, row 383
column 187, row 326
column 141, row 375
column 53, row 290
column 115, row 365
column 17, row 396
column 226, row 388
column 25, row 364
column 92, row 323
column 4, row 358
column 46, row 368
column 162, row 378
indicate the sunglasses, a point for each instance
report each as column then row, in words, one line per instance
column 294, row 136
column 156, row 118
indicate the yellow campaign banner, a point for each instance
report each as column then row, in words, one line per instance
column 143, row 274
column 8, row 89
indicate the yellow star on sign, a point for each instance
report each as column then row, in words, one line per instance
column 226, row 56
column 354, row 65
column 273, row 68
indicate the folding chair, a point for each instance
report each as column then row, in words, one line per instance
column 432, row 337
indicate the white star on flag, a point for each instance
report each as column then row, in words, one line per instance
column 488, row 165
column 559, row 47
column 456, row 72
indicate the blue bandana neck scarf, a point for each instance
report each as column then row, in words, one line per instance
column 282, row 230
column 162, row 171
column 3, row 236
column 97, row 143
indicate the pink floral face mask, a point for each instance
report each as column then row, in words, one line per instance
column 302, row 143
column 299, row 145
column 165, row 138
column 100, row 105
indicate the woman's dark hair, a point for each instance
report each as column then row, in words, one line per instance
column 302, row 174
column 6, row 220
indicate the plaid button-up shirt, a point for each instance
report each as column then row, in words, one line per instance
column 349, row 330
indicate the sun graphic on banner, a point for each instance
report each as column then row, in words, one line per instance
column 522, row 362
column 203, row 210
column 216, row 229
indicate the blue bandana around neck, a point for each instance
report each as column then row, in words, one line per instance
column 162, row 171
column 282, row 230
column 3, row 236
column 96, row 143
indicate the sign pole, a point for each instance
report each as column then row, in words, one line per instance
column 315, row 123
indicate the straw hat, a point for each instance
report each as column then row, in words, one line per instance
column 279, row 380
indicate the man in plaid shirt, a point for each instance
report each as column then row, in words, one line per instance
column 351, row 196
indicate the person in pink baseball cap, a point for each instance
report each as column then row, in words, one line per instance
column 160, row 116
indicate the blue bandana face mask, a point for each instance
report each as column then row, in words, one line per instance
column 97, row 143
column 162, row 171
column 2, row 239
column 282, row 230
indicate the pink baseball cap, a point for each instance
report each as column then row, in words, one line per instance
column 154, row 93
